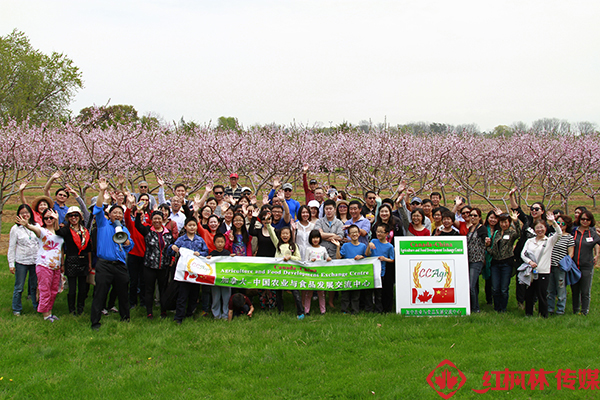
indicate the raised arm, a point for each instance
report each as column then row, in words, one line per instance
column 22, row 187
column 51, row 180
column 102, row 186
column 286, row 209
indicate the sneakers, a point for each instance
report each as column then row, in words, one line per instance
column 16, row 313
column 150, row 316
column 114, row 310
column 51, row 318
column 104, row 311
column 301, row 316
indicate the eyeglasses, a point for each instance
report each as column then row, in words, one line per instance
column 217, row 193
column 535, row 209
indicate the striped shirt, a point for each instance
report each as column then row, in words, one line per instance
column 561, row 249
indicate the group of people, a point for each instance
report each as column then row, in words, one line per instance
column 136, row 266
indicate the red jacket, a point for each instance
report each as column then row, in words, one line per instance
column 138, row 239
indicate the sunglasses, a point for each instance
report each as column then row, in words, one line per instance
column 287, row 190
column 218, row 192
column 535, row 209
column 72, row 215
column 466, row 212
column 561, row 223
column 48, row 218
column 343, row 206
column 474, row 215
column 143, row 187
column 371, row 198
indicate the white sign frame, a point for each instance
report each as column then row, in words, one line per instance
column 432, row 276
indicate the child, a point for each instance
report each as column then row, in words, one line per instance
column 239, row 304
column 384, row 251
column 237, row 240
column 188, row 291
column 220, row 294
column 287, row 249
column 314, row 252
column 356, row 250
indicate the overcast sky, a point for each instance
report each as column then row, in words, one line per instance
column 325, row 61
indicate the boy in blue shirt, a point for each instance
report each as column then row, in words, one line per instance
column 384, row 251
column 356, row 250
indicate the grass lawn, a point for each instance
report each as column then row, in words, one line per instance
column 277, row 356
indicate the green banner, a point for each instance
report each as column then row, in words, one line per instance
column 276, row 274
column 429, row 246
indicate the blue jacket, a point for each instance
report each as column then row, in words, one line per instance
column 572, row 273
column 106, row 249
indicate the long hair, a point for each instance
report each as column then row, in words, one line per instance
column 290, row 243
column 244, row 231
column 26, row 206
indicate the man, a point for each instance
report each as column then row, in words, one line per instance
column 219, row 192
column 287, row 192
column 280, row 213
column 177, row 213
column 331, row 228
column 233, row 190
column 180, row 190
column 143, row 189
column 110, row 268
column 357, row 219
column 309, row 187
column 60, row 199
column 369, row 209
column 320, row 197
column 435, row 198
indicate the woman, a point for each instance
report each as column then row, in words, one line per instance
column 22, row 253
column 169, row 223
column 491, row 223
column 585, row 255
column 557, row 291
column 227, row 220
column 576, row 215
column 156, row 260
column 538, row 213
column 48, row 262
column 447, row 228
column 304, row 226
column 386, row 217
column 537, row 252
column 464, row 223
column 342, row 211
column 205, row 213
column 437, row 218
column 39, row 204
column 476, row 255
column 265, row 248
column 502, row 250
column 314, row 207
column 416, row 227
column 78, row 258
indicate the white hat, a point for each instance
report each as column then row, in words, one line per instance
column 74, row 209
column 313, row 203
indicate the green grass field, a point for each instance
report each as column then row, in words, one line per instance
column 277, row 356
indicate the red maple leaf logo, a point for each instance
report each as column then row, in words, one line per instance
column 446, row 380
column 424, row 297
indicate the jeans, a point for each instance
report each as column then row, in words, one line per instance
column 474, row 271
column 220, row 301
column 557, row 291
column 21, row 271
column 582, row 292
column 500, row 283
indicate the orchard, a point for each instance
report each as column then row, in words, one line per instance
column 544, row 167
